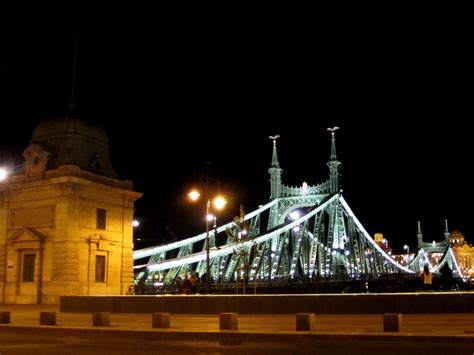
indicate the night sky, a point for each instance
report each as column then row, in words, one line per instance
column 171, row 103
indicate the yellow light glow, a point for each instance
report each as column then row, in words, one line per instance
column 194, row 195
column 219, row 202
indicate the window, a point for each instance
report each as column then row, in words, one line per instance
column 101, row 218
column 28, row 268
column 100, row 268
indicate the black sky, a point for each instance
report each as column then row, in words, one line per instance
column 171, row 101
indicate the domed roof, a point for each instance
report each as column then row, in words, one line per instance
column 456, row 235
column 67, row 125
column 69, row 140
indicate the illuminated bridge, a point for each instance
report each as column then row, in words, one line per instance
column 307, row 231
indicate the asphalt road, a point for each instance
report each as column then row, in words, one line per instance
column 12, row 342
column 258, row 334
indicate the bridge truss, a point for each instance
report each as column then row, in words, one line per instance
column 323, row 240
column 326, row 241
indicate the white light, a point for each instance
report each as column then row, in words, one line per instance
column 210, row 217
column 135, row 223
column 3, row 174
column 347, row 252
column 296, row 229
column 294, row 215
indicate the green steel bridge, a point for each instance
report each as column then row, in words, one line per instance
column 306, row 231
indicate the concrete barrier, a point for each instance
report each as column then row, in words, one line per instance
column 392, row 322
column 405, row 303
column 305, row 321
column 160, row 320
column 101, row 319
column 228, row 321
column 47, row 318
column 4, row 317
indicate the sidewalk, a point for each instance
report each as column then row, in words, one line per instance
column 438, row 325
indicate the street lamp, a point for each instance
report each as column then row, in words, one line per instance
column 219, row 202
column 407, row 248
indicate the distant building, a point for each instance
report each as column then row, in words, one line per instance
column 464, row 253
column 403, row 259
column 65, row 219
column 382, row 243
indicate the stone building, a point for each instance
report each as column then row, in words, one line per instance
column 65, row 218
column 464, row 253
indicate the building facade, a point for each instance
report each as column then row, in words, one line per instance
column 464, row 253
column 65, row 218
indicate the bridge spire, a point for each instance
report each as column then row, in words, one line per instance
column 446, row 230
column 333, row 163
column 275, row 163
column 419, row 235
column 275, row 172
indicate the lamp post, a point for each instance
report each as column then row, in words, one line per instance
column 208, row 261
column 219, row 203
column 407, row 248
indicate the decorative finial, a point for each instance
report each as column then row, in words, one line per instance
column 274, row 138
column 332, row 130
column 275, row 162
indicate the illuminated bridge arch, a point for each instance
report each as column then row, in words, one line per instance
column 326, row 241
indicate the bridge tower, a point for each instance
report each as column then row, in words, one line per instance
column 275, row 172
column 333, row 163
column 446, row 231
column 419, row 235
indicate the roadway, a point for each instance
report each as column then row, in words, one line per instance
column 275, row 334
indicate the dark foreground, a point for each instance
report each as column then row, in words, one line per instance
column 257, row 334
column 34, row 342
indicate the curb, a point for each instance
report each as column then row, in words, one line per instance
column 307, row 336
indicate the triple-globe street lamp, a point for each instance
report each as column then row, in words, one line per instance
column 218, row 202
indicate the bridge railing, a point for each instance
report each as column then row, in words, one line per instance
column 389, row 283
